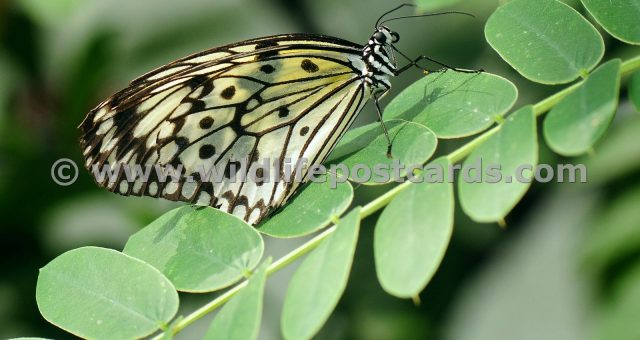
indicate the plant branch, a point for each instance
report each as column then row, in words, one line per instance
column 455, row 156
column 274, row 267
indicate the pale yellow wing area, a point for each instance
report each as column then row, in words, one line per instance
column 276, row 98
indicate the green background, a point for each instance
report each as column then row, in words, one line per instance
column 569, row 254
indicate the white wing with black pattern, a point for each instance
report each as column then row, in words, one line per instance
column 275, row 98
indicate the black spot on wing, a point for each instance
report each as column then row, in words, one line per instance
column 228, row 93
column 182, row 143
column 309, row 66
column 206, row 122
column 267, row 69
column 259, row 180
column 206, row 151
column 283, row 112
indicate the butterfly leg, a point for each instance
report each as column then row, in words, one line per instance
column 376, row 100
column 414, row 63
column 445, row 65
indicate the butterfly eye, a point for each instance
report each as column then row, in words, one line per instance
column 379, row 37
column 395, row 37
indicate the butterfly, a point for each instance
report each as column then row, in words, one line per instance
column 284, row 96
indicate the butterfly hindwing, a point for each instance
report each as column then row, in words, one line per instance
column 289, row 96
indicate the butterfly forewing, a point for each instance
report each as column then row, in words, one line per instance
column 276, row 98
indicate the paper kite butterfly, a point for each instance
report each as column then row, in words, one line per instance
column 291, row 95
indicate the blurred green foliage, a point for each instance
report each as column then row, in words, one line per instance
column 565, row 268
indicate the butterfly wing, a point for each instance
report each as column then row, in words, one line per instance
column 284, row 98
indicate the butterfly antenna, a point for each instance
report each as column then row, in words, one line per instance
column 391, row 11
column 424, row 15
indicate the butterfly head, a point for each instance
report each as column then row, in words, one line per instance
column 378, row 54
column 384, row 36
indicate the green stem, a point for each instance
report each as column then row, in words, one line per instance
column 630, row 66
column 545, row 105
column 457, row 155
column 382, row 201
column 464, row 151
column 274, row 267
